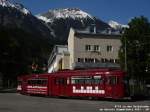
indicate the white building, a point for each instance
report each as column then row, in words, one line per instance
column 87, row 50
column 54, row 62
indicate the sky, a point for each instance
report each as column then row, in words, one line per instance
column 121, row 11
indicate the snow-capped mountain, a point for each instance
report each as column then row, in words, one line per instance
column 13, row 4
column 64, row 14
column 116, row 25
column 60, row 21
column 23, row 39
column 14, row 15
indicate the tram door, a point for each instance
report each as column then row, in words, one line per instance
column 62, row 86
column 111, row 86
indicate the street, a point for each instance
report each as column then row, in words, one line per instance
column 14, row 102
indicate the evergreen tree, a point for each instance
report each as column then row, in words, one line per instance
column 135, row 51
column 18, row 50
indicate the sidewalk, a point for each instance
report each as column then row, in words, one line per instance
column 8, row 90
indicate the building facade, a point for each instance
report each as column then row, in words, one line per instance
column 55, row 60
column 93, row 50
column 87, row 50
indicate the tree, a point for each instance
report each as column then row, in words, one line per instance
column 135, row 50
column 18, row 49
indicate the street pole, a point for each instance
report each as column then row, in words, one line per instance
column 125, row 55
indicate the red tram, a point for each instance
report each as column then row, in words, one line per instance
column 104, row 83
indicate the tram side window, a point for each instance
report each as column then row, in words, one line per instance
column 113, row 80
column 29, row 82
column 72, row 81
column 87, row 81
column 79, row 81
column 44, row 82
column 56, row 81
column 60, row 81
column 37, row 82
column 34, row 82
column 98, row 81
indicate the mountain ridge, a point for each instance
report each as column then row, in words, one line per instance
column 64, row 13
column 61, row 20
column 13, row 4
column 117, row 25
column 14, row 15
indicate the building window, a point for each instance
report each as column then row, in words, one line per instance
column 89, row 60
column 109, row 48
column 85, row 60
column 102, row 60
column 80, row 60
column 116, row 61
column 92, row 47
column 111, row 60
column 106, row 60
column 96, row 60
column 87, row 47
column 96, row 48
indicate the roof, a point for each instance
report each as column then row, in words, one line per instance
column 89, row 65
column 89, row 72
column 102, row 34
column 86, row 72
column 56, row 51
column 61, row 46
column 97, row 35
